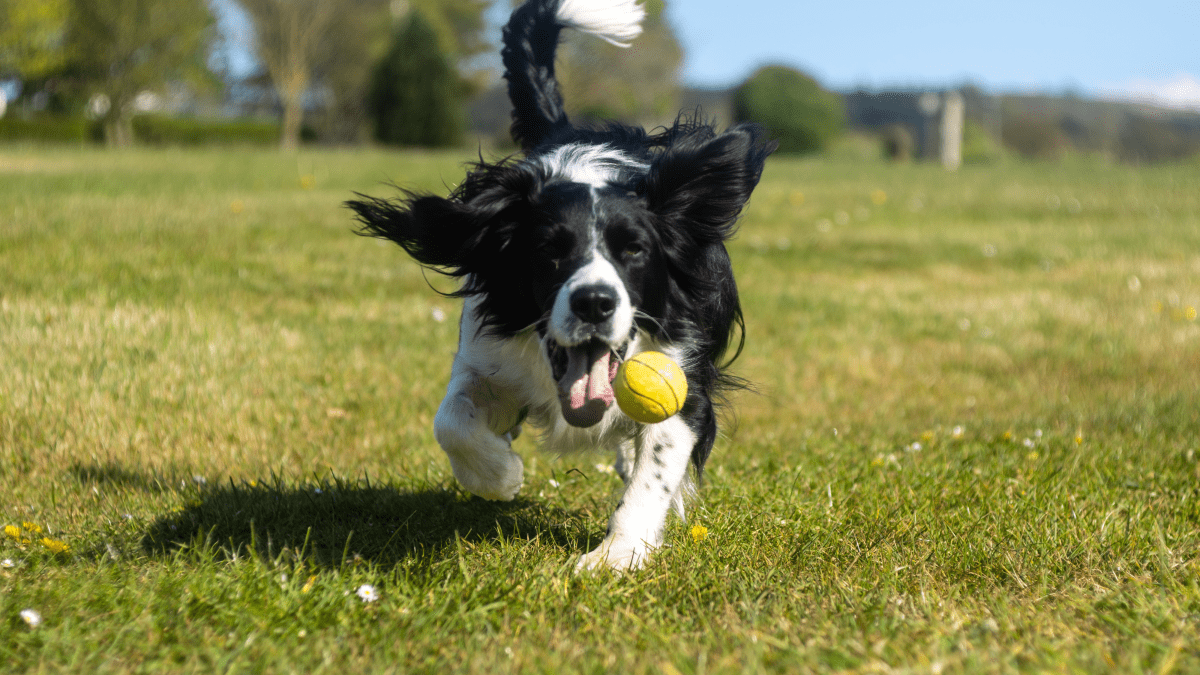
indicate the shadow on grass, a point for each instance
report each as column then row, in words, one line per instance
column 331, row 524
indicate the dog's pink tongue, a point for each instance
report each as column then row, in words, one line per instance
column 585, row 391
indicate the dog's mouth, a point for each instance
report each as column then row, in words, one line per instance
column 584, row 373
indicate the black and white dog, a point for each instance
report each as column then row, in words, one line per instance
column 600, row 243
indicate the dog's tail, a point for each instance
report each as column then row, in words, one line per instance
column 530, row 40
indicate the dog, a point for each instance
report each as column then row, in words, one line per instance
column 600, row 242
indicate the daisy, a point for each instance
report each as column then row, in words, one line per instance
column 7, row 563
column 31, row 617
column 367, row 593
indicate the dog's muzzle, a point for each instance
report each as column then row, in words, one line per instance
column 584, row 374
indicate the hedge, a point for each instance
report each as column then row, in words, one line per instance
column 147, row 129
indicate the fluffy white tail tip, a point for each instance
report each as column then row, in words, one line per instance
column 617, row 22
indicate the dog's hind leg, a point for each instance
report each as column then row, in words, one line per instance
column 475, row 425
column 654, row 484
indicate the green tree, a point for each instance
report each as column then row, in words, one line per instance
column 639, row 84
column 801, row 115
column 417, row 95
column 460, row 26
column 120, row 48
column 289, row 37
column 31, row 37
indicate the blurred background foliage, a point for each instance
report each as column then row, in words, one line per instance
column 422, row 73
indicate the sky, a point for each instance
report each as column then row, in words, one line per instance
column 1098, row 48
column 1144, row 50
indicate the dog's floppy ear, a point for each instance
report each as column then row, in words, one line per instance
column 435, row 231
column 702, row 181
column 446, row 233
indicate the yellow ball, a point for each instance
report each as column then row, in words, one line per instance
column 650, row 387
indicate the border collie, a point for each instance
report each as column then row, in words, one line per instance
column 598, row 243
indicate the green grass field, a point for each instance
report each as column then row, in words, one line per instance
column 973, row 446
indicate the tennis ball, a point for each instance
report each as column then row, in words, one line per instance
column 650, row 387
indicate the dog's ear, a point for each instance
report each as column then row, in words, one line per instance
column 433, row 230
column 445, row 233
column 701, row 182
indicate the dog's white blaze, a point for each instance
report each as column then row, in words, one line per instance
column 594, row 165
column 615, row 21
column 567, row 328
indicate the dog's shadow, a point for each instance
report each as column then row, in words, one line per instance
column 337, row 522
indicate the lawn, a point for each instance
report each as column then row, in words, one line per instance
column 974, row 443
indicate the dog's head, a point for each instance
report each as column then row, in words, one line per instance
column 586, row 243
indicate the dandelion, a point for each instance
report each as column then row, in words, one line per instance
column 438, row 314
column 367, row 593
column 1028, row 442
column 55, row 546
column 699, row 533
column 1079, row 436
column 956, row 433
column 32, row 527
column 31, row 618
column 878, row 197
column 12, row 531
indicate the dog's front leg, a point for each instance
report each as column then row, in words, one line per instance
column 475, row 425
column 654, row 484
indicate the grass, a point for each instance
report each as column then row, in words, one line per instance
column 973, row 447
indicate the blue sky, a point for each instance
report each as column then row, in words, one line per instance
column 1048, row 45
column 1148, row 49
column 1098, row 48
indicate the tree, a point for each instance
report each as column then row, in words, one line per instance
column 460, row 26
column 417, row 96
column 120, row 48
column 638, row 85
column 328, row 45
column 342, row 67
column 801, row 115
column 289, row 36
column 31, row 37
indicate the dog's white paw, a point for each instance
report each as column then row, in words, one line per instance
column 496, row 474
column 615, row 556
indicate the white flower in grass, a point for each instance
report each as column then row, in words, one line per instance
column 31, row 617
column 7, row 563
column 367, row 593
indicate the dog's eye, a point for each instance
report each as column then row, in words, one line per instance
column 633, row 251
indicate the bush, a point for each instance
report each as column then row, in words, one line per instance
column 1034, row 137
column 148, row 129
column 417, row 97
column 978, row 145
column 159, row 130
column 48, row 129
column 1147, row 140
column 801, row 115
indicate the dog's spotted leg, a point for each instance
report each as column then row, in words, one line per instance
column 653, row 485
column 475, row 425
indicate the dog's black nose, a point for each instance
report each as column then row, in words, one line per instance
column 594, row 304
